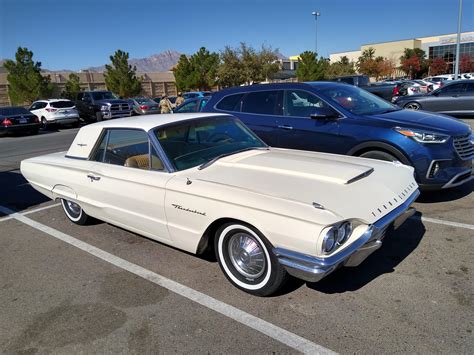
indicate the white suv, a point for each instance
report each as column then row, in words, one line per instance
column 55, row 111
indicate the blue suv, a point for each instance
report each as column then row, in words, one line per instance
column 343, row 119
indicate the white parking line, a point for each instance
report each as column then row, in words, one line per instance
column 443, row 222
column 30, row 212
column 283, row 336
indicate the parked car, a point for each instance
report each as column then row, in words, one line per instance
column 405, row 88
column 456, row 98
column 143, row 105
column 383, row 90
column 425, row 86
column 194, row 94
column 200, row 180
column 53, row 112
column 343, row 119
column 101, row 105
column 192, row 105
column 18, row 120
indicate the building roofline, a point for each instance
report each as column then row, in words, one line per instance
column 417, row 38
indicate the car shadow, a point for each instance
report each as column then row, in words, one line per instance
column 397, row 245
column 17, row 194
column 453, row 194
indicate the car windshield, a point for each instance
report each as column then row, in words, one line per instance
column 103, row 95
column 142, row 101
column 195, row 142
column 13, row 111
column 62, row 104
column 357, row 101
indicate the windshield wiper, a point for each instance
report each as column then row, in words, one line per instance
column 216, row 158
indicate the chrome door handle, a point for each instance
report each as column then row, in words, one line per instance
column 93, row 177
column 285, row 127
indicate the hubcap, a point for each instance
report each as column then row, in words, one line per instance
column 412, row 107
column 73, row 207
column 246, row 255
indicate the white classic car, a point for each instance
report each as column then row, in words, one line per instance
column 202, row 181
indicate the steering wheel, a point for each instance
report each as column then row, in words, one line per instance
column 219, row 137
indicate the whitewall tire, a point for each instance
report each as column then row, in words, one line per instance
column 246, row 259
column 74, row 212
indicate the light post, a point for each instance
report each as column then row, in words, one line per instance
column 316, row 14
column 458, row 42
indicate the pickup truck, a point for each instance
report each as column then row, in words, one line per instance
column 101, row 105
column 385, row 91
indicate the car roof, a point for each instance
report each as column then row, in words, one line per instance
column 52, row 100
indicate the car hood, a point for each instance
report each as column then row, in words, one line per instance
column 429, row 121
column 111, row 101
column 294, row 182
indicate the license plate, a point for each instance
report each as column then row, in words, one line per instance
column 23, row 120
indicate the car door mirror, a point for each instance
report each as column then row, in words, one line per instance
column 324, row 113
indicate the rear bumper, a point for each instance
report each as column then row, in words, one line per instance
column 313, row 269
column 63, row 120
column 19, row 128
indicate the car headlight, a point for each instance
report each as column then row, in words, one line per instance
column 422, row 136
column 104, row 107
column 335, row 236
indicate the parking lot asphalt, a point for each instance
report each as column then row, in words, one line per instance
column 68, row 289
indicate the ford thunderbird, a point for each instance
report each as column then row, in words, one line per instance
column 204, row 182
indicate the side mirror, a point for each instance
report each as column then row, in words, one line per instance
column 324, row 113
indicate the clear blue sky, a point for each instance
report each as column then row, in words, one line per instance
column 67, row 34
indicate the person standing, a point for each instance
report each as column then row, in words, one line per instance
column 179, row 99
column 165, row 104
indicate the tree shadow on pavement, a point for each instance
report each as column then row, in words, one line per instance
column 16, row 193
column 397, row 245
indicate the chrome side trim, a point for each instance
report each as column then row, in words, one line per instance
column 312, row 268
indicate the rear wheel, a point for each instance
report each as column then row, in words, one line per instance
column 413, row 106
column 379, row 155
column 44, row 123
column 246, row 259
column 74, row 212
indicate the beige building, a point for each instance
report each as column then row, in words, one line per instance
column 153, row 84
column 434, row 46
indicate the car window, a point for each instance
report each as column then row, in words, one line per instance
column 127, row 147
column 13, row 110
column 62, row 104
column 230, row 103
column 452, row 89
column 203, row 103
column 261, row 102
column 470, row 88
column 301, row 103
column 188, row 107
column 34, row 106
column 42, row 105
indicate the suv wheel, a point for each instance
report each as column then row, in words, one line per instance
column 379, row 155
column 44, row 123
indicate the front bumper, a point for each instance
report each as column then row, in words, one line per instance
column 115, row 114
column 312, row 269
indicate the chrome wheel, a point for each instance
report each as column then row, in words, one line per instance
column 74, row 208
column 246, row 255
column 74, row 212
column 412, row 106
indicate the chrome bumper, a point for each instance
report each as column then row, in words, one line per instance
column 310, row 268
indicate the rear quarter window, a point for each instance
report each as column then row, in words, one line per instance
column 62, row 104
column 230, row 103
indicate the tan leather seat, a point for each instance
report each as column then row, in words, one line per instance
column 142, row 162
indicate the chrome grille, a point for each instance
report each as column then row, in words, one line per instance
column 464, row 147
column 119, row 107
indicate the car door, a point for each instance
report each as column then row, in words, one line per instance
column 466, row 99
column 304, row 132
column 129, row 190
column 446, row 99
column 261, row 111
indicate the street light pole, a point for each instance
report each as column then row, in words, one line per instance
column 458, row 42
column 316, row 14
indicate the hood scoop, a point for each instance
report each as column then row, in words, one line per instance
column 360, row 176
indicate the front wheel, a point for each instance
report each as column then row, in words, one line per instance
column 74, row 212
column 413, row 106
column 247, row 261
column 379, row 155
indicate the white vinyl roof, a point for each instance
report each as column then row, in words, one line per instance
column 87, row 136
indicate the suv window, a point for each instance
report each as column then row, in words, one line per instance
column 301, row 103
column 261, row 102
column 62, row 104
column 127, row 147
column 188, row 107
column 452, row 89
column 230, row 103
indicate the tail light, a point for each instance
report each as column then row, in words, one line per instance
column 395, row 92
column 7, row 122
column 144, row 107
column 36, row 119
column 51, row 109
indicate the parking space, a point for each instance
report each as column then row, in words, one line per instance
column 66, row 288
